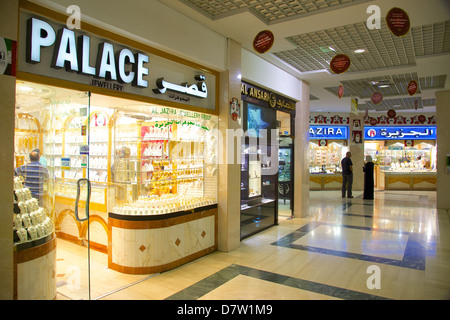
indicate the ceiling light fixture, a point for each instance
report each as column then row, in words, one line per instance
column 332, row 49
column 360, row 50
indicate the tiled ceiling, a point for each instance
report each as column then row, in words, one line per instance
column 268, row 11
column 315, row 50
column 398, row 104
column 312, row 34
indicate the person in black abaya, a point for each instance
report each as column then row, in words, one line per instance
column 368, row 178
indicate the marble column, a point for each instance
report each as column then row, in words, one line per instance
column 229, row 169
column 8, row 29
column 301, row 155
column 443, row 148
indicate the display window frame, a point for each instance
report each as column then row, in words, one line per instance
column 260, row 211
column 192, row 214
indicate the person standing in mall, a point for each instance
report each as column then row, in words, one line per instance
column 347, row 175
column 368, row 179
column 34, row 174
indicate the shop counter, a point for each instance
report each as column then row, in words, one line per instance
column 409, row 180
column 35, row 269
column 325, row 181
column 143, row 244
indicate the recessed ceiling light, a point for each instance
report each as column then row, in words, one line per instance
column 384, row 86
column 360, row 50
column 332, row 49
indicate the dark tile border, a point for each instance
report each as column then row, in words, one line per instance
column 413, row 258
column 214, row 281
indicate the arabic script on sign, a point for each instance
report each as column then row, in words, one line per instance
column 197, row 89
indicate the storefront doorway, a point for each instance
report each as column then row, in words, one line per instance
column 286, row 165
column 104, row 154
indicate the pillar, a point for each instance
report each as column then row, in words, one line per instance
column 443, row 148
column 8, row 29
column 301, row 155
column 229, row 171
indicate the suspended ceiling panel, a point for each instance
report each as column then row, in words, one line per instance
column 383, row 50
column 268, row 11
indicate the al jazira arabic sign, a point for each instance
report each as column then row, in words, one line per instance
column 400, row 133
column 55, row 51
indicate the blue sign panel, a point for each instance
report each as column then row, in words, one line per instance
column 328, row 132
column 400, row 133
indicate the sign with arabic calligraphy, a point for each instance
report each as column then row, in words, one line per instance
column 398, row 22
column 263, row 41
column 328, row 132
column 52, row 50
column 265, row 98
column 340, row 63
column 400, row 133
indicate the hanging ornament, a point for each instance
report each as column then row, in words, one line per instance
column 412, row 87
column 340, row 91
column 391, row 113
column 376, row 98
column 340, row 63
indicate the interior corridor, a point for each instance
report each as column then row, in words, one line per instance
column 394, row 247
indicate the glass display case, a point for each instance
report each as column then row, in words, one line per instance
column 164, row 163
column 326, row 159
column 259, row 179
column 397, row 158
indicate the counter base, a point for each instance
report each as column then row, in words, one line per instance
column 143, row 246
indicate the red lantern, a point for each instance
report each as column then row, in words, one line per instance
column 376, row 98
column 341, row 91
column 412, row 87
column 391, row 113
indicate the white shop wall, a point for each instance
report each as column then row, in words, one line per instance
column 262, row 73
column 153, row 23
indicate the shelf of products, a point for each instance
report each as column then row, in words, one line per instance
column 326, row 159
column 164, row 164
column 397, row 158
column 27, row 138
column 30, row 221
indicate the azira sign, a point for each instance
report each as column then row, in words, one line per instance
column 328, row 132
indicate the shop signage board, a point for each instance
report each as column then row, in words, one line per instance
column 400, row 133
column 266, row 98
column 340, row 63
column 263, row 41
column 398, row 22
column 52, row 50
column 328, row 132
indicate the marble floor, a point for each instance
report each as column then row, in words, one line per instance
column 394, row 247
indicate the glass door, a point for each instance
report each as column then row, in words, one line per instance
column 72, row 191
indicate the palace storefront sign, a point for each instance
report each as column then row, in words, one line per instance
column 52, row 50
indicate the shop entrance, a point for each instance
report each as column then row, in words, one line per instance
column 71, row 131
